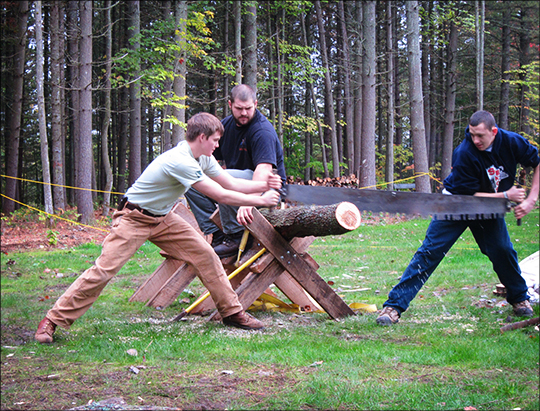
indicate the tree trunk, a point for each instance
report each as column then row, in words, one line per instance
column 358, row 90
column 86, row 164
column 73, row 32
column 41, row 112
column 106, row 164
column 389, row 169
column 237, row 10
column 450, row 105
column 524, row 45
column 315, row 106
column 349, row 107
column 57, row 136
column 426, row 75
column 369, row 64
column 418, row 131
column 397, row 76
column 179, row 84
column 134, row 97
column 279, row 85
column 250, row 32
column 226, row 53
column 15, row 114
column 479, row 26
column 505, row 66
column 328, row 90
column 318, row 221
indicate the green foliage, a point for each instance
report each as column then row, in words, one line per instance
column 529, row 76
column 52, row 237
column 155, row 63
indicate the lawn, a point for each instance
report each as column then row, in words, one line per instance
column 447, row 351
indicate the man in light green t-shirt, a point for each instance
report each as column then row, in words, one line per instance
column 144, row 214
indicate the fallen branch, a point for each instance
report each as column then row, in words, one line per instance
column 520, row 324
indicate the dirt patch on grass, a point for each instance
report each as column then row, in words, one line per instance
column 28, row 385
column 30, row 233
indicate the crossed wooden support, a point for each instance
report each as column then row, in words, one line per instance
column 286, row 264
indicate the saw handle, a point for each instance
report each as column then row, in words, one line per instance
column 520, row 184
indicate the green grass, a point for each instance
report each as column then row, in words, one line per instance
column 447, row 352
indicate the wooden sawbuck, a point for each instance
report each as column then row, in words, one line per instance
column 285, row 234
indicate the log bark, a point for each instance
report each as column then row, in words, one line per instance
column 520, row 324
column 318, row 221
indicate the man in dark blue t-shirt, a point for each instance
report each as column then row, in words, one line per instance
column 484, row 164
column 249, row 148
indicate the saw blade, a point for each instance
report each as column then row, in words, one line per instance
column 439, row 206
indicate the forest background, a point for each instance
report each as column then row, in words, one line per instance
column 377, row 91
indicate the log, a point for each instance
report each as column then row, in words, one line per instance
column 318, row 221
column 520, row 324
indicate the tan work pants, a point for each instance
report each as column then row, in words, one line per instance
column 130, row 229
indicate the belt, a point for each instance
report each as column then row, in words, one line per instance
column 124, row 203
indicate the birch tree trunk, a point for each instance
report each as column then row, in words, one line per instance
column 418, row 131
column 15, row 114
column 134, row 97
column 106, row 164
column 328, row 90
column 47, row 192
column 367, row 167
column 86, row 164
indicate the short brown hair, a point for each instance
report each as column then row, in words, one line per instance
column 243, row 92
column 485, row 117
column 203, row 123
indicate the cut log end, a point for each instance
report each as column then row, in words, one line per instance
column 348, row 216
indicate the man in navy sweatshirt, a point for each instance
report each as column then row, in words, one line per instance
column 484, row 164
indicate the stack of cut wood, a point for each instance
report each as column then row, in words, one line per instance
column 346, row 181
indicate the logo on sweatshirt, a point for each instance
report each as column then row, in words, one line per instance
column 496, row 174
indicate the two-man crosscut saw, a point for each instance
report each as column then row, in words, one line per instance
column 439, row 206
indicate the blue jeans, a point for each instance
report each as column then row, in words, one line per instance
column 203, row 207
column 492, row 238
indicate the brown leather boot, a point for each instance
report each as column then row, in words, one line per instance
column 243, row 320
column 45, row 331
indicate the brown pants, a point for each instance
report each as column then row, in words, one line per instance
column 130, row 229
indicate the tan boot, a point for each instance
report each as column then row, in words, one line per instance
column 45, row 331
column 523, row 309
column 388, row 316
column 243, row 320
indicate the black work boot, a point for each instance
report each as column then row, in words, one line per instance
column 217, row 238
column 230, row 245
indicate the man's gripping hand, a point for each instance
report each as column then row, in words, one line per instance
column 245, row 214
column 273, row 180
